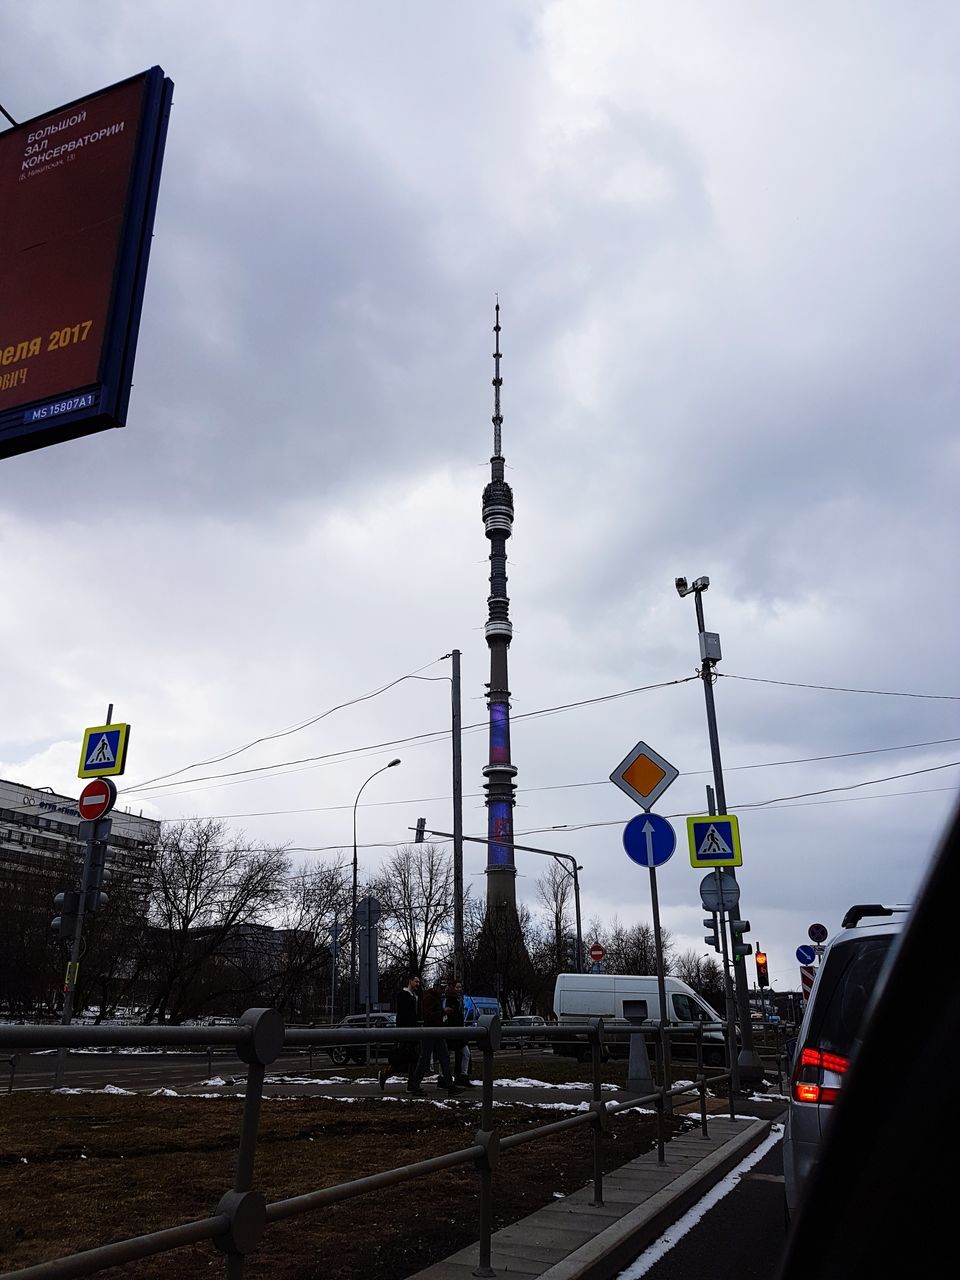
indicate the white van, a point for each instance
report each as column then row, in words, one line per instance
column 602, row 995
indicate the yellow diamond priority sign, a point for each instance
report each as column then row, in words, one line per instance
column 644, row 775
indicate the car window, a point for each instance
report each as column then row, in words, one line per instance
column 684, row 1009
column 846, row 985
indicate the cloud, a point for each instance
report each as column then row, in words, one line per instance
column 724, row 251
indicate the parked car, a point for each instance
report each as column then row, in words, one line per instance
column 341, row 1054
column 527, row 1022
column 848, row 977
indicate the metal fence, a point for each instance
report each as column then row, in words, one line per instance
column 237, row 1225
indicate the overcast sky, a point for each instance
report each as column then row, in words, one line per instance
column 724, row 242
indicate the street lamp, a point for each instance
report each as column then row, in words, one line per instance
column 353, row 916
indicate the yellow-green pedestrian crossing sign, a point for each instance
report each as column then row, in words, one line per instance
column 104, row 750
column 714, row 840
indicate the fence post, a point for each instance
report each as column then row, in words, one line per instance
column 600, row 1119
column 246, row 1208
column 661, row 1136
column 702, row 1082
column 489, row 1140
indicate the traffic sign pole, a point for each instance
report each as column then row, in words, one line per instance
column 96, row 799
column 729, row 996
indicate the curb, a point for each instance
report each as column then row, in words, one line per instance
column 618, row 1245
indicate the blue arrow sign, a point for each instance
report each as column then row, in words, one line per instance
column 806, row 955
column 649, row 840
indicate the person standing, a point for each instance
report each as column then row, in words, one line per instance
column 433, row 1016
column 453, row 1002
column 408, row 1015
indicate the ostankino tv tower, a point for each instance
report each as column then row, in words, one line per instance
column 500, row 771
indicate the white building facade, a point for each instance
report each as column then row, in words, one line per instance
column 38, row 835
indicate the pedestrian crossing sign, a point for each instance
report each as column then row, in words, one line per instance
column 104, row 750
column 714, row 840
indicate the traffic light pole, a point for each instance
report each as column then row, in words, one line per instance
column 730, row 1004
column 526, row 848
column 750, row 1066
column 70, row 983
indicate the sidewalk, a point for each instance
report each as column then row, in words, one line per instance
column 571, row 1239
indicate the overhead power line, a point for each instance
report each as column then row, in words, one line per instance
column 571, row 786
column 834, row 688
column 285, row 733
column 759, row 804
column 159, row 783
column 583, row 826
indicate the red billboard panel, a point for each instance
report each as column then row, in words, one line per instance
column 78, row 189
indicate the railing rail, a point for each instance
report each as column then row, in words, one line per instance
column 237, row 1225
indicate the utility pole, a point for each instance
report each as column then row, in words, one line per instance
column 456, row 726
column 750, row 1066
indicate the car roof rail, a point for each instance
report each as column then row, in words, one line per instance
column 864, row 909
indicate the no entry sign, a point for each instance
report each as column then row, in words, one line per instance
column 597, row 953
column 97, row 798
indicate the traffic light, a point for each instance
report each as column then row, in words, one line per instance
column 737, row 929
column 712, row 939
column 96, row 877
column 763, row 977
column 421, row 828
column 64, row 923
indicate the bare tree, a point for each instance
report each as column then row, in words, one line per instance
column 415, row 890
column 553, row 889
column 632, row 949
column 206, row 884
column 313, row 900
column 702, row 973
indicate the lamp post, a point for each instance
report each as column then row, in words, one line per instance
column 353, row 911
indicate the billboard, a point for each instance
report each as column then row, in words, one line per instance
column 78, row 191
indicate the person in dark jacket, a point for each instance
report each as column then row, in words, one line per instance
column 433, row 1016
column 403, row 1055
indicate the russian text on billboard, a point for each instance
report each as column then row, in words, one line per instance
column 78, row 190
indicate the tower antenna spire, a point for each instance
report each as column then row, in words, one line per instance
column 497, row 384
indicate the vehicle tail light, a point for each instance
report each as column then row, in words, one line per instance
column 818, row 1075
